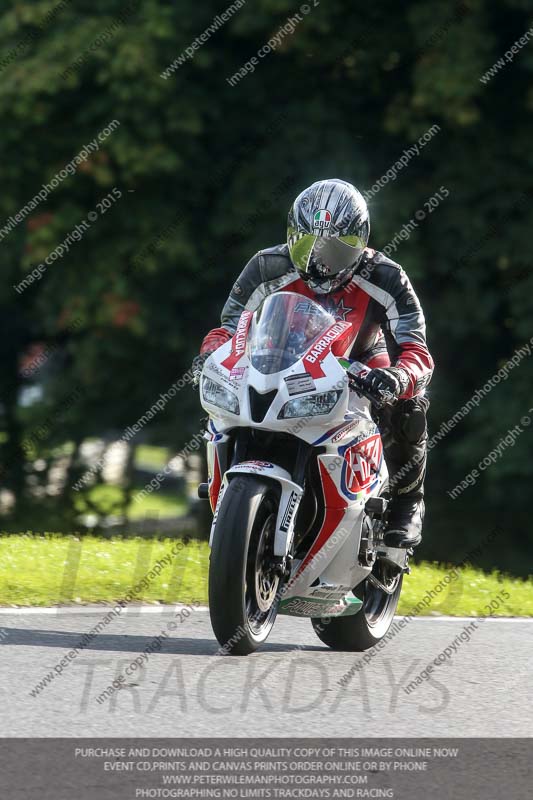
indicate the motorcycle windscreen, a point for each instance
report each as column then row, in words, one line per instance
column 283, row 329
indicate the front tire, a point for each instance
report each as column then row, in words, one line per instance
column 243, row 588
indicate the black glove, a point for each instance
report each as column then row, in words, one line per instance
column 197, row 367
column 387, row 384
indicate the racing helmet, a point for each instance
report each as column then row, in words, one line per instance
column 327, row 232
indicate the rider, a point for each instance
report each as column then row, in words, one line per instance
column 326, row 257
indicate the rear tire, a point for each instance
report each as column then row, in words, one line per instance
column 366, row 628
column 370, row 624
column 243, row 592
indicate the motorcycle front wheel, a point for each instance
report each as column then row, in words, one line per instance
column 243, row 585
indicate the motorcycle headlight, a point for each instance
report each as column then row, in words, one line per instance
column 310, row 405
column 217, row 395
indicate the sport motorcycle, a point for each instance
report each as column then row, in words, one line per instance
column 297, row 483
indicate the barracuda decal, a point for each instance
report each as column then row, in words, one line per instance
column 319, row 350
column 238, row 346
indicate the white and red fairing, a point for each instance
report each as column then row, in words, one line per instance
column 351, row 463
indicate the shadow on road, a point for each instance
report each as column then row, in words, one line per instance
column 127, row 643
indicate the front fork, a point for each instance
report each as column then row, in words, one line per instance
column 220, row 474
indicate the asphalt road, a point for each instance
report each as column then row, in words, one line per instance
column 289, row 688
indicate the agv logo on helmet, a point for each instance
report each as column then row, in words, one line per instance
column 322, row 220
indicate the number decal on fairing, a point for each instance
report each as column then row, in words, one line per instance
column 361, row 463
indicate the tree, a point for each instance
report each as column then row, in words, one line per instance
column 199, row 171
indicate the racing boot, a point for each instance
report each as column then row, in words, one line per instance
column 403, row 429
column 404, row 521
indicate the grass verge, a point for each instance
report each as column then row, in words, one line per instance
column 158, row 504
column 43, row 570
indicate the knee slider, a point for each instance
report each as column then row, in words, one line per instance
column 411, row 421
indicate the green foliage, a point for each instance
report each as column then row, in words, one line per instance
column 54, row 569
column 110, row 499
column 207, row 172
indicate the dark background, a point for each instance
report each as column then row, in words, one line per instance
column 207, row 173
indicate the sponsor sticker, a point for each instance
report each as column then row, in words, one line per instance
column 298, row 384
column 237, row 373
column 219, row 503
column 344, row 431
column 223, row 376
column 361, row 464
column 330, row 593
column 338, row 310
column 289, row 512
column 247, row 465
column 307, row 307
column 304, row 607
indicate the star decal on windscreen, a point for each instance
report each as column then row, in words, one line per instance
column 339, row 310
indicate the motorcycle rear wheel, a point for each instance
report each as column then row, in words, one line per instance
column 243, row 588
column 369, row 625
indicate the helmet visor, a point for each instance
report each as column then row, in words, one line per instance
column 330, row 254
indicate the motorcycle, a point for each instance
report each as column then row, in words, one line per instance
column 297, row 483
